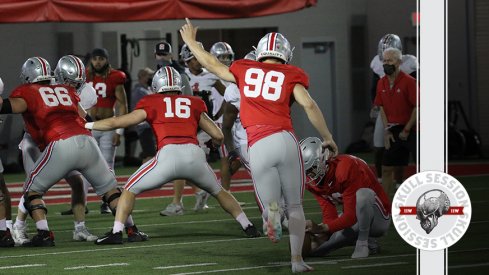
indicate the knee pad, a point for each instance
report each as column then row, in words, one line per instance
column 112, row 197
column 31, row 207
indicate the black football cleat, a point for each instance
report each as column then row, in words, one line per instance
column 110, row 238
column 134, row 235
column 42, row 238
column 6, row 239
column 251, row 231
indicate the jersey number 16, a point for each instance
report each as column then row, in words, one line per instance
column 182, row 107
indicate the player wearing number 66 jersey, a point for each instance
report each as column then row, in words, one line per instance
column 53, row 113
column 268, row 87
column 174, row 119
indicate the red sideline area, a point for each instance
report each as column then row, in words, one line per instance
column 60, row 193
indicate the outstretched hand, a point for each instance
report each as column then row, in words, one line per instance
column 188, row 32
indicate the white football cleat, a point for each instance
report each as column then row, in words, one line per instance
column 361, row 250
column 299, row 267
column 19, row 234
column 82, row 234
column 172, row 209
column 201, row 198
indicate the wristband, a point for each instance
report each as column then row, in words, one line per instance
column 89, row 125
column 119, row 131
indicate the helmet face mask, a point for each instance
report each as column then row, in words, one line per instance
column 185, row 52
column 388, row 41
column 274, row 45
column 314, row 158
column 166, row 79
column 70, row 71
column 35, row 69
column 223, row 52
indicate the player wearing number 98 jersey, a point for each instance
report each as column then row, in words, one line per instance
column 268, row 87
column 174, row 119
column 54, row 111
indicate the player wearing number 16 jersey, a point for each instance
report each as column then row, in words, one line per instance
column 267, row 89
column 174, row 119
column 53, row 113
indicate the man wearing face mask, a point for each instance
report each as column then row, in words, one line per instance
column 396, row 97
column 409, row 65
column 163, row 57
column 145, row 134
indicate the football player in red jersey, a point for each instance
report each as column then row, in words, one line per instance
column 109, row 85
column 346, row 180
column 70, row 71
column 55, row 120
column 174, row 119
column 268, row 87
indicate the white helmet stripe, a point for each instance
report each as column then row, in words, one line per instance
column 43, row 65
column 169, row 73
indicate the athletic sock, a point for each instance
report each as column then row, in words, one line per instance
column 9, row 224
column 243, row 220
column 118, row 227
column 79, row 225
column 3, row 224
column 129, row 221
column 42, row 225
column 19, row 223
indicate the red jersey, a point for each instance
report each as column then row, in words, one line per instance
column 52, row 112
column 346, row 174
column 399, row 101
column 105, row 87
column 173, row 118
column 266, row 96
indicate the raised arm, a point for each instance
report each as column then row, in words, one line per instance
column 315, row 116
column 210, row 62
column 133, row 118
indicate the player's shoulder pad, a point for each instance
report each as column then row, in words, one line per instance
column 409, row 63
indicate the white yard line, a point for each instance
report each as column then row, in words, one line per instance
column 181, row 266
column 21, row 266
column 125, row 247
column 231, row 269
column 467, row 265
column 94, row 266
column 372, row 265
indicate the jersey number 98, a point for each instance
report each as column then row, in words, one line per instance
column 268, row 85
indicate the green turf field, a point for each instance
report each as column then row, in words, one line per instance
column 212, row 242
